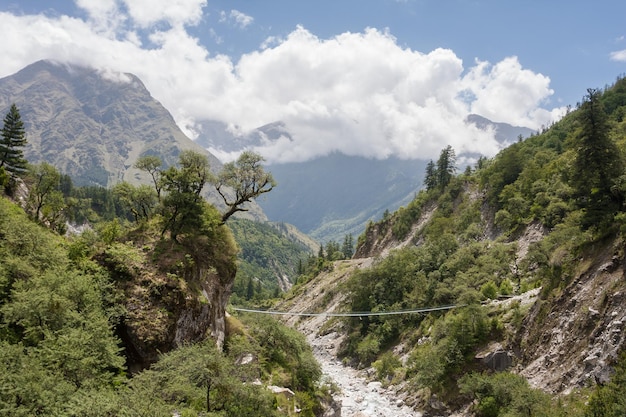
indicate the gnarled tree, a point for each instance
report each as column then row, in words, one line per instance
column 247, row 178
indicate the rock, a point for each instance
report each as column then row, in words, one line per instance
column 495, row 358
column 245, row 359
column 281, row 391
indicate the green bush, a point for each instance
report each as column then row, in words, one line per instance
column 386, row 365
column 489, row 290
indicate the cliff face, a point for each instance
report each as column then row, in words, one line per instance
column 173, row 293
column 571, row 339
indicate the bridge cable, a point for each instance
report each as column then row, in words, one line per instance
column 350, row 314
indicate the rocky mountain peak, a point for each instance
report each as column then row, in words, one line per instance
column 92, row 124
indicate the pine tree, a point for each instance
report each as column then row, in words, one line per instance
column 597, row 165
column 446, row 166
column 348, row 246
column 13, row 140
column 430, row 180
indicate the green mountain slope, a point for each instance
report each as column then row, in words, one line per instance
column 81, row 319
column 527, row 250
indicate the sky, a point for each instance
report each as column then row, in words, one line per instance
column 374, row 78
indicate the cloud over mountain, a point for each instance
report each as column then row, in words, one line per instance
column 358, row 93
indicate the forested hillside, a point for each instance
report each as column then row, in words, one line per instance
column 546, row 214
column 127, row 317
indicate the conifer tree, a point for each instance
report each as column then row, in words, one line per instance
column 430, row 180
column 348, row 246
column 446, row 166
column 12, row 141
column 598, row 163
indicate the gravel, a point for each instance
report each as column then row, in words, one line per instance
column 358, row 397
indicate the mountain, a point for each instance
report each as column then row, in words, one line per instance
column 506, row 134
column 93, row 125
column 499, row 293
column 334, row 195
column 90, row 124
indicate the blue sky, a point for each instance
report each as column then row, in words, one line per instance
column 372, row 77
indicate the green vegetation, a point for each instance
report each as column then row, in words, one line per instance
column 83, row 318
column 567, row 181
column 610, row 400
column 247, row 178
column 69, row 307
column 12, row 162
column 266, row 256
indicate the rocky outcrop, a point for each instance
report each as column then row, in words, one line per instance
column 495, row 358
column 379, row 238
column 173, row 293
column 570, row 341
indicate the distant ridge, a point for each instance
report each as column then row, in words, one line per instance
column 334, row 195
column 92, row 125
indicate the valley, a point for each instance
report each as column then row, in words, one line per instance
column 523, row 252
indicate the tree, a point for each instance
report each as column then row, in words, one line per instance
column 182, row 207
column 140, row 200
column 348, row 246
column 13, row 140
column 597, row 164
column 446, row 166
column 45, row 180
column 152, row 165
column 430, row 180
column 247, row 178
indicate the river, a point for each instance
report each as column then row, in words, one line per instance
column 357, row 396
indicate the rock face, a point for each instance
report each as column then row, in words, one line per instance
column 92, row 125
column 572, row 341
column 496, row 358
column 173, row 293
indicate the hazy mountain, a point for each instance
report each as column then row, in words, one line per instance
column 506, row 134
column 334, row 195
column 92, row 125
column 331, row 196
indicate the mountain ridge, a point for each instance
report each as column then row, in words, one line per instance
column 92, row 125
column 320, row 209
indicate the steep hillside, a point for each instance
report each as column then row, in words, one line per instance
column 525, row 257
column 91, row 125
column 82, row 317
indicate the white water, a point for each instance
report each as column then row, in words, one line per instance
column 358, row 397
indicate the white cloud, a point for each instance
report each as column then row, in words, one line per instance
column 238, row 18
column 358, row 93
column 241, row 19
column 505, row 92
column 176, row 12
column 619, row 56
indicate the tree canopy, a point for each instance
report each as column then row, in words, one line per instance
column 598, row 163
column 247, row 178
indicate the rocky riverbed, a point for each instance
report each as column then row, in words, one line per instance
column 357, row 397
